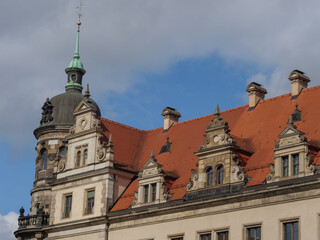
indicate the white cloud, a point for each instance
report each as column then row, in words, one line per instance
column 8, row 224
column 122, row 38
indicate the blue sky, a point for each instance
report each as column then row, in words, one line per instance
column 140, row 57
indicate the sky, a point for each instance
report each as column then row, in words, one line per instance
column 141, row 56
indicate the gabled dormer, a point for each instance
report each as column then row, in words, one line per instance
column 218, row 165
column 151, row 188
column 291, row 155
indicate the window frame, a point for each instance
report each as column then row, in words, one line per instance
column 176, row 237
column 199, row 234
column 222, row 231
column 86, row 201
column 287, row 221
column 81, row 154
column 219, row 174
column 293, row 164
column 43, row 166
column 247, row 227
column 64, row 206
column 209, row 176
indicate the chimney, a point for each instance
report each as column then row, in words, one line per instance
column 256, row 93
column 299, row 81
column 170, row 117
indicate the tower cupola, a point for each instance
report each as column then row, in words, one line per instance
column 75, row 70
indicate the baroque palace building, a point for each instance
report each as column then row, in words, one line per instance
column 247, row 173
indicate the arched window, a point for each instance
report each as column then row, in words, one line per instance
column 85, row 156
column 78, row 160
column 63, row 151
column 220, row 174
column 209, row 173
column 44, row 159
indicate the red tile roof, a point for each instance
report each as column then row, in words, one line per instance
column 255, row 131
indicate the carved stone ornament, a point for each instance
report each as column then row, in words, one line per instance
column 52, row 157
column 61, row 165
column 271, row 174
column 193, row 181
column 310, row 168
column 72, row 130
column 101, row 150
column 47, row 110
column 135, row 201
column 83, row 123
column 95, row 123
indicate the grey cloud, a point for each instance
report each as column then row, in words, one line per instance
column 121, row 39
column 8, row 224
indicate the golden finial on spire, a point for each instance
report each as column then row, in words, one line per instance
column 79, row 13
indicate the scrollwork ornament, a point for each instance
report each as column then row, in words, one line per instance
column 101, row 155
column 276, row 144
column 61, row 165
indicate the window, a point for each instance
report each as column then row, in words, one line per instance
column 291, row 231
column 285, row 166
column 223, row 235
column 81, row 155
column 295, row 159
column 146, row 193
column 254, row 233
column 220, row 174
column 153, row 192
column 209, row 173
column 177, row 238
column 206, row 236
column 85, row 156
column 67, row 206
column 89, row 201
column 63, row 151
column 78, row 159
column 44, row 159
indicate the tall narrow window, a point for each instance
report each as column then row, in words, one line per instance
column 146, row 193
column 44, row 159
column 295, row 161
column 206, row 236
column 78, row 160
column 209, row 173
column 153, row 192
column 89, row 202
column 85, row 156
column 67, row 206
column 220, row 174
column 285, row 166
column 223, row 235
column 291, row 231
column 254, row 233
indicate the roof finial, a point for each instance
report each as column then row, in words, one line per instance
column 152, row 154
column 110, row 143
column 87, row 92
column 217, row 111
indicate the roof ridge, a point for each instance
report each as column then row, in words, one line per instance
column 122, row 125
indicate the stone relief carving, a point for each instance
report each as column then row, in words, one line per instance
column 310, row 168
column 47, row 110
column 101, row 149
column 193, row 181
column 272, row 171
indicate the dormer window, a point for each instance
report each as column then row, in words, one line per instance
column 220, row 174
column 209, row 173
column 152, row 188
column 291, row 158
column 166, row 147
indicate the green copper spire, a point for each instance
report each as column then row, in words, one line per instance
column 75, row 68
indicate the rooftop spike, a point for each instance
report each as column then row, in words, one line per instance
column 152, row 154
column 75, row 68
column 217, row 111
column 110, row 143
column 87, row 92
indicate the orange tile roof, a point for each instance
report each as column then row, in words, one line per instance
column 255, row 131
